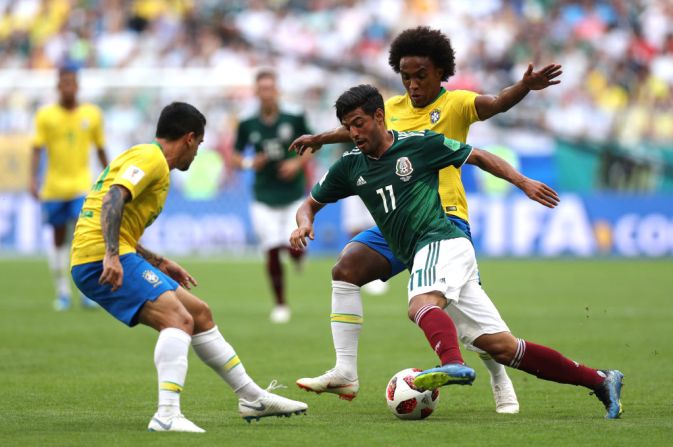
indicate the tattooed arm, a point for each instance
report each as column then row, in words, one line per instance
column 171, row 268
column 150, row 257
column 111, row 221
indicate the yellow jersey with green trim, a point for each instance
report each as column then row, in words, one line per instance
column 142, row 170
column 451, row 114
column 67, row 136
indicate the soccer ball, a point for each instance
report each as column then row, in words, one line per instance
column 405, row 401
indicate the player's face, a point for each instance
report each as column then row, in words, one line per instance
column 67, row 87
column 421, row 78
column 366, row 131
column 189, row 150
column 267, row 92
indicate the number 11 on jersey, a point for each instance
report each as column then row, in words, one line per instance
column 380, row 192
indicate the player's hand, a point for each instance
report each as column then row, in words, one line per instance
column 301, row 144
column 175, row 271
column 539, row 192
column 113, row 272
column 538, row 80
column 259, row 161
column 298, row 237
column 288, row 169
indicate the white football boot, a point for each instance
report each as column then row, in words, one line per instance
column 331, row 382
column 280, row 314
column 505, row 397
column 177, row 423
column 270, row 405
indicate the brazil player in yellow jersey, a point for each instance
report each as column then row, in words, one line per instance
column 424, row 58
column 136, row 285
column 67, row 130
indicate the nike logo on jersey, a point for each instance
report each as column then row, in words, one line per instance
column 260, row 407
column 393, row 119
column 361, row 181
column 162, row 425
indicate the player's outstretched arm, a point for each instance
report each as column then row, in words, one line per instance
column 111, row 214
column 171, row 268
column 488, row 105
column 495, row 165
column 102, row 156
column 305, row 218
column 315, row 142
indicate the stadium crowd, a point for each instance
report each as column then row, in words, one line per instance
column 617, row 55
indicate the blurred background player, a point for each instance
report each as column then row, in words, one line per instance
column 136, row 285
column 67, row 130
column 424, row 58
column 280, row 180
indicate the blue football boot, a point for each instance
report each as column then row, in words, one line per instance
column 609, row 393
column 62, row 303
column 449, row 374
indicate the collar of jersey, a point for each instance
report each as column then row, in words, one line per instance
column 394, row 133
column 156, row 143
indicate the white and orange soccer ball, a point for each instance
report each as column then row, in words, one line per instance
column 405, row 401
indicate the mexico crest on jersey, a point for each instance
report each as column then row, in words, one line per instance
column 435, row 115
column 403, row 168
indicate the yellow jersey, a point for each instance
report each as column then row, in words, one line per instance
column 450, row 114
column 142, row 170
column 67, row 136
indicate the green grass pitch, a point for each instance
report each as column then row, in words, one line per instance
column 82, row 378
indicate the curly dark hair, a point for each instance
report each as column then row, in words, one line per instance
column 424, row 42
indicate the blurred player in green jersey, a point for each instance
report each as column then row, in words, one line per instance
column 279, row 183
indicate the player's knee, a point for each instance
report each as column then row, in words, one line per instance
column 203, row 317
column 342, row 271
column 501, row 347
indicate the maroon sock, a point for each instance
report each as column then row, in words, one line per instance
column 440, row 331
column 275, row 271
column 548, row 364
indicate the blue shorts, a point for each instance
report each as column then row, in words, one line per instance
column 373, row 238
column 142, row 282
column 59, row 212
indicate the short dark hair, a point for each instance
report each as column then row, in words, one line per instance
column 67, row 69
column 364, row 96
column 178, row 119
column 424, row 42
column 265, row 73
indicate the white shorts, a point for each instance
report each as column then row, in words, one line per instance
column 355, row 216
column 274, row 224
column 450, row 267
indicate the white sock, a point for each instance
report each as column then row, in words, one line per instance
column 346, row 321
column 170, row 358
column 59, row 263
column 495, row 369
column 214, row 351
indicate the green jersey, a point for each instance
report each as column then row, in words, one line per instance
column 400, row 188
column 273, row 140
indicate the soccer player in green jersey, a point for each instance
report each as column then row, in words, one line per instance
column 396, row 176
column 424, row 58
column 279, row 180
